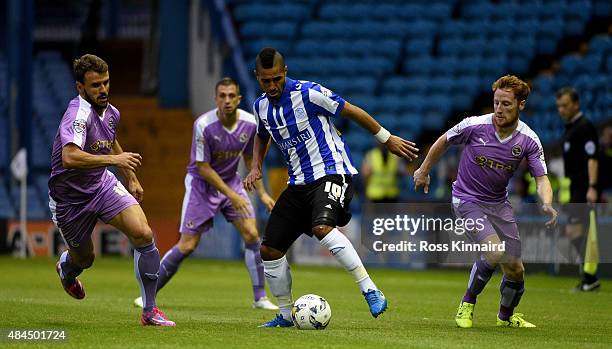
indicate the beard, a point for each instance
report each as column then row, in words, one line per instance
column 96, row 103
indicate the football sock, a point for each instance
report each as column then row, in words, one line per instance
column 68, row 270
column 278, row 275
column 146, row 268
column 479, row 276
column 511, row 293
column 254, row 264
column 169, row 265
column 341, row 248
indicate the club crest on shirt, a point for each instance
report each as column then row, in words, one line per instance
column 300, row 114
column 244, row 137
column 79, row 126
column 190, row 225
column 517, row 150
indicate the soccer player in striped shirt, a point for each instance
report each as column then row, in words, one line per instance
column 297, row 116
column 495, row 145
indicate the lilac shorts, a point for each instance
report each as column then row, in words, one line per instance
column 202, row 202
column 497, row 218
column 77, row 222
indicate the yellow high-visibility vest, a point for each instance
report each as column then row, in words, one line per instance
column 564, row 190
column 383, row 183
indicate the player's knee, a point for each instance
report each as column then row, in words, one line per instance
column 321, row 230
column 187, row 246
column 250, row 236
column 494, row 257
column 142, row 235
column 269, row 253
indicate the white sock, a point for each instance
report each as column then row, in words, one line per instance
column 340, row 246
column 278, row 275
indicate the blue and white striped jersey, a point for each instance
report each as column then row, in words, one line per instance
column 300, row 125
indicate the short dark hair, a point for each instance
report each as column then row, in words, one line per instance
column 88, row 62
column 266, row 57
column 227, row 81
column 570, row 91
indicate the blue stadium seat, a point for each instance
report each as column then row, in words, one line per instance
column 601, row 43
column 262, row 29
column 417, row 66
column 35, row 208
column 280, row 11
column 7, row 210
column 418, row 47
column 445, row 66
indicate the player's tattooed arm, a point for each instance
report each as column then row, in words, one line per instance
column 546, row 195
column 265, row 198
column 397, row 145
column 421, row 175
column 260, row 148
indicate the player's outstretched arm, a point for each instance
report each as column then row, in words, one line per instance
column 546, row 195
column 212, row 177
column 74, row 157
column 133, row 184
column 421, row 175
column 265, row 198
column 260, row 148
column 396, row 145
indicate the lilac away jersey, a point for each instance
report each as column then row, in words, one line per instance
column 82, row 126
column 487, row 162
column 220, row 147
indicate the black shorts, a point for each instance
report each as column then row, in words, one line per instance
column 301, row 207
column 577, row 210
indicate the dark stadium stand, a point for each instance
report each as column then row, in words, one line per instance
column 415, row 65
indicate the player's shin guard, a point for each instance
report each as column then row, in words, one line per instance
column 479, row 277
column 146, row 268
column 254, row 264
column 278, row 276
column 340, row 246
column 69, row 270
column 169, row 265
column 511, row 293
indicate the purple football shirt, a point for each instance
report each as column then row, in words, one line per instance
column 488, row 162
column 81, row 125
column 220, row 147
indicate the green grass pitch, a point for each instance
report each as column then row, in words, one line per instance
column 211, row 304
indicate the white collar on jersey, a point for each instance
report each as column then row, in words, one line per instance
column 234, row 126
column 84, row 102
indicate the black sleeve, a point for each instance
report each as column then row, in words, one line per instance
column 591, row 142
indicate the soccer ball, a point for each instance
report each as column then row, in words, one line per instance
column 311, row 312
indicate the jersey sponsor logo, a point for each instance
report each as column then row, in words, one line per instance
column 102, row 144
column 517, row 150
column 492, row 164
column 294, row 141
column 589, row 148
column 224, row 155
column 244, row 137
column 79, row 126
